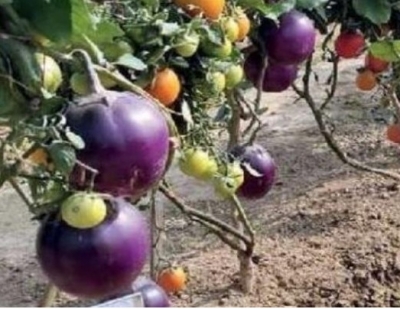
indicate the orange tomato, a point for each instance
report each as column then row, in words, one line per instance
column 41, row 157
column 210, row 8
column 393, row 133
column 165, row 87
column 244, row 25
column 172, row 280
column 366, row 80
column 375, row 64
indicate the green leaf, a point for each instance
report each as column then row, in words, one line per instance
column 4, row 2
column 310, row 4
column 272, row 11
column 63, row 156
column 131, row 62
column 386, row 50
column 377, row 11
column 52, row 18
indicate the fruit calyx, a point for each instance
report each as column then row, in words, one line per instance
column 97, row 93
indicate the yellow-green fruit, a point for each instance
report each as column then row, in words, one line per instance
column 198, row 164
column 83, row 210
column 52, row 75
column 217, row 81
column 234, row 76
column 218, row 51
column 231, row 29
column 79, row 82
column 112, row 51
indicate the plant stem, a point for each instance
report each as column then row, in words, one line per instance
column 329, row 139
column 202, row 217
column 21, row 193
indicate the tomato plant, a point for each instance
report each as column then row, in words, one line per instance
column 99, row 97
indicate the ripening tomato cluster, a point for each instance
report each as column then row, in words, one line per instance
column 351, row 44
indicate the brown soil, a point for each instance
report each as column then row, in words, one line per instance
column 327, row 234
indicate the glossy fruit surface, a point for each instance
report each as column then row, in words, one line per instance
column 349, row 44
column 95, row 262
column 172, row 280
column 198, row 163
column 231, row 28
column 221, row 51
column 83, row 210
column 277, row 77
column 52, row 76
column 244, row 25
column 259, row 170
column 293, row 41
column 210, row 8
column 366, row 80
column 165, row 86
column 126, row 140
column 234, row 76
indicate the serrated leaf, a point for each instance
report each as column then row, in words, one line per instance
column 63, row 156
column 75, row 140
column 131, row 62
column 53, row 19
column 377, row 11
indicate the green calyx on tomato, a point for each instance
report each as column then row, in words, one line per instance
column 187, row 45
column 234, row 76
column 198, row 164
column 83, row 210
column 231, row 28
column 218, row 51
column 232, row 177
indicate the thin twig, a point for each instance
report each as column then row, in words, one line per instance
column 243, row 216
column 332, row 89
column 21, row 193
column 200, row 215
column 220, row 234
column 330, row 140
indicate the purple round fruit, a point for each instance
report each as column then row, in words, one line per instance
column 153, row 295
column 126, row 140
column 292, row 41
column 259, row 170
column 277, row 77
column 95, row 262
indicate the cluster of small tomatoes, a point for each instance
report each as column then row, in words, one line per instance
column 352, row 44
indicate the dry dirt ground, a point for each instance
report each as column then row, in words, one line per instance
column 327, row 235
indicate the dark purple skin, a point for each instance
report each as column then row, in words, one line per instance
column 277, row 77
column 293, row 41
column 126, row 140
column 259, row 159
column 97, row 262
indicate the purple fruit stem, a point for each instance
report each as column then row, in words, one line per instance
column 94, row 81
